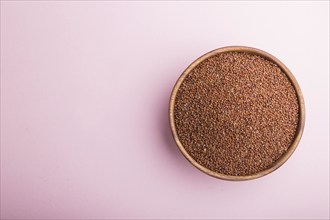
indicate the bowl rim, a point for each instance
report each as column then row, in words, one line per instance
column 301, row 119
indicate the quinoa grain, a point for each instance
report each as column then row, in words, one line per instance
column 236, row 113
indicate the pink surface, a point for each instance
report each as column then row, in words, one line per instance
column 85, row 88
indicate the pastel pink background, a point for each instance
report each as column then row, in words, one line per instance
column 85, row 88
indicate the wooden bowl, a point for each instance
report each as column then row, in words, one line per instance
column 301, row 121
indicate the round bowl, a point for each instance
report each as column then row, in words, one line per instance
column 301, row 119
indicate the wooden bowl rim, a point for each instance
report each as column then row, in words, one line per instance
column 301, row 121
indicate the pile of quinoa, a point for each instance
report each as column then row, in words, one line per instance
column 236, row 113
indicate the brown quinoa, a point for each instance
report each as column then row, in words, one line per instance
column 236, row 113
